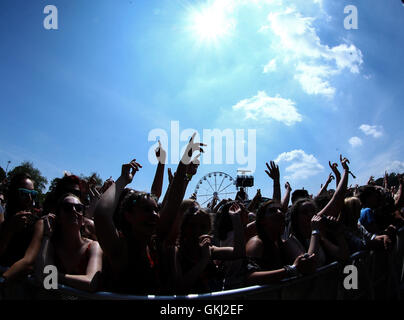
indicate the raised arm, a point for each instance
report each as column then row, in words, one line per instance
column 399, row 202
column 334, row 168
column 106, row 232
column 157, row 185
column 176, row 191
column 324, row 188
column 273, row 173
column 386, row 181
column 253, row 205
column 286, row 198
column 334, row 206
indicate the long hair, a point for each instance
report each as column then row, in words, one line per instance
column 222, row 222
column 261, row 231
column 294, row 214
column 128, row 200
column 351, row 212
column 190, row 214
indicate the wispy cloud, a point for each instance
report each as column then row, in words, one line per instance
column 263, row 107
column 375, row 131
column 395, row 166
column 302, row 165
column 355, row 142
column 315, row 62
column 270, row 66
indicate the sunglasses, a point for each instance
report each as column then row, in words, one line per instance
column 26, row 193
column 78, row 207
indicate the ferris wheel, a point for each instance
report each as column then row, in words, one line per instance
column 215, row 185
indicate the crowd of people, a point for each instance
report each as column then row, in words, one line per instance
column 117, row 239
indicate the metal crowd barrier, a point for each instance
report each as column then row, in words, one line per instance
column 380, row 275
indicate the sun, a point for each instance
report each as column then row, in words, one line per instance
column 210, row 23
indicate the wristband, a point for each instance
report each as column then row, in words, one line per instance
column 373, row 237
column 188, row 177
column 314, row 232
column 291, row 270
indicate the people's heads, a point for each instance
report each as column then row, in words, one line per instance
column 369, row 196
column 195, row 223
column 21, row 194
column 298, row 194
column 322, row 200
column 138, row 214
column 68, row 184
column 70, row 211
column 301, row 214
column 351, row 212
column 270, row 221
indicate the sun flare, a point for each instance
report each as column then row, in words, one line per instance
column 211, row 23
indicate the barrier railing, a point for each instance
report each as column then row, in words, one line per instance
column 379, row 277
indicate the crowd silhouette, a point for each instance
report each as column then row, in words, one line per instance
column 116, row 239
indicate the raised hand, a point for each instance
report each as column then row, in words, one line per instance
column 129, row 170
column 371, row 181
column 49, row 222
column 170, row 176
column 234, row 210
column 344, row 162
column 161, row 154
column 273, row 171
column 287, row 186
column 192, row 167
column 107, row 184
column 334, row 168
column 317, row 223
column 190, row 149
column 330, row 178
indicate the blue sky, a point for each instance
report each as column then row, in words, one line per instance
column 85, row 97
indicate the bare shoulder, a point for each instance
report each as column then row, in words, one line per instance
column 254, row 247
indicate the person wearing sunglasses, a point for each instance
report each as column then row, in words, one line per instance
column 77, row 259
column 21, row 231
column 74, row 185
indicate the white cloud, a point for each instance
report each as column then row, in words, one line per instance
column 355, row 142
column 375, row 131
column 270, row 66
column 395, row 166
column 302, row 165
column 263, row 107
column 313, row 79
column 315, row 62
